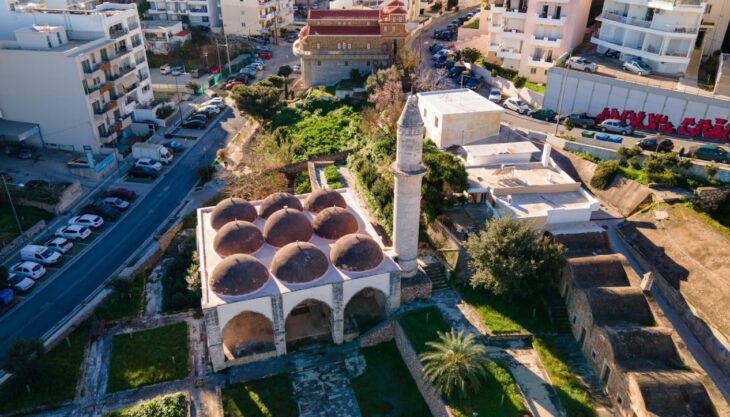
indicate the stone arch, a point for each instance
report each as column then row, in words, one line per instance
column 310, row 321
column 365, row 309
column 248, row 333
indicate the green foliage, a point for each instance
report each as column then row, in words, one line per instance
column 519, row 81
column 331, row 174
column 301, row 183
column 356, row 75
column 164, row 112
column 177, row 292
column 382, row 76
column 335, row 185
column 322, row 134
column 471, row 54
column 625, row 153
column 285, row 71
column 436, row 7
column 445, row 176
column 124, row 301
column 422, row 326
column 259, row 100
column 499, row 396
column 192, row 85
column 510, row 259
column 568, row 124
column 205, row 173
column 634, row 162
column 192, row 276
column 173, row 405
column 664, row 168
column 604, row 174
column 148, row 357
column 455, row 365
column 474, row 24
column 508, row 316
column 572, row 392
column 710, row 169
column 267, row 397
column 28, row 216
column 25, row 359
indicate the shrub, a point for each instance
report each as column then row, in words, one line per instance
column 625, row 153
column 711, row 170
column 335, row 185
column 301, row 183
column 494, row 73
column 604, row 174
column 568, row 124
column 164, row 112
column 331, row 174
column 519, row 81
column 635, row 162
column 174, row 405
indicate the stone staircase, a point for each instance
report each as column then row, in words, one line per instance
column 437, row 275
column 559, row 315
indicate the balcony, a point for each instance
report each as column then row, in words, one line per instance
column 540, row 62
column 495, row 29
column 543, row 19
column 509, row 54
column 90, row 69
column 513, row 33
column 671, row 57
column 515, row 14
column 650, row 26
column 493, row 47
column 117, row 33
column 136, row 43
column 546, row 41
column 198, row 11
column 691, row 6
column 133, row 26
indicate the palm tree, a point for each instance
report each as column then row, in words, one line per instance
column 456, row 365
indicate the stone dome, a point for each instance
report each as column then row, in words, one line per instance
column 334, row 222
column 299, row 262
column 356, row 252
column 287, row 226
column 238, row 275
column 322, row 199
column 238, row 237
column 278, row 201
column 232, row 209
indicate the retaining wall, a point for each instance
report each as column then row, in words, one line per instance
column 532, row 98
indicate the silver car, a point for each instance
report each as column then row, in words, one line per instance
column 615, row 126
column 637, row 67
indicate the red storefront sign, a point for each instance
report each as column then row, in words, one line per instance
column 704, row 128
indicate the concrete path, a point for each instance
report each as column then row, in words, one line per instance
column 153, row 289
column 324, row 391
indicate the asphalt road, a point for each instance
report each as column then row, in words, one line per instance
column 35, row 316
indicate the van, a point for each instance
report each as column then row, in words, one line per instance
column 196, row 73
column 165, row 69
column 40, row 254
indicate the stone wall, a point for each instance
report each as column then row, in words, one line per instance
column 66, row 199
column 710, row 198
column 415, row 288
column 433, row 399
column 383, row 332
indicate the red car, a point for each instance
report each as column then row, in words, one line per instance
column 215, row 69
column 123, row 193
column 265, row 55
column 231, row 85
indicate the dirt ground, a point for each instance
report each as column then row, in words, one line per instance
column 691, row 255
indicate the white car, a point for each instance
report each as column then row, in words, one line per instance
column 89, row 220
column 20, row 283
column 517, row 105
column 495, row 95
column 258, row 65
column 73, row 232
column 582, row 64
column 216, row 101
column 116, row 203
column 165, row 69
column 28, row 269
column 637, row 67
column 209, row 109
column 149, row 163
column 297, row 68
column 59, row 244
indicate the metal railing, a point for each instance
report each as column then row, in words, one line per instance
column 647, row 24
column 117, row 33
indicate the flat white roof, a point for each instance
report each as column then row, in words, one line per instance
column 500, row 148
column 538, row 205
column 457, row 101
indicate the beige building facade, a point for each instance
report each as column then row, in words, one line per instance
column 255, row 17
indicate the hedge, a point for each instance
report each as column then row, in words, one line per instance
column 604, row 174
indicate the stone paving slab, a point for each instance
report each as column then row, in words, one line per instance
column 324, row 391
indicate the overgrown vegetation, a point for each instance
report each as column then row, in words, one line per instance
column 28, row 216
column 572, row 392
column 181, row 282
column 173, row 405
column 125, row 300
column 148, row 357
column 604, row 174
column 267, row 397
column 164, row 112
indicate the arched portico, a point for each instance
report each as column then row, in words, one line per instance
column 364, row 310
column 310, row 321
column 247, row 333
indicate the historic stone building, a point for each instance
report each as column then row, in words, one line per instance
column 334, row 42
column 289, row 270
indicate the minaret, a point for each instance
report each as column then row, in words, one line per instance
column 408, row 172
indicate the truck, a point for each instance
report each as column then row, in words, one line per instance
column 151, row 151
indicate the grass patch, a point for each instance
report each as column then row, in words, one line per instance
column 474, row 24
column 268, row 397
column 173, row 405
column 504, row 316
column 118, row 306
column 59, row 380
column 571, row 391
column 28, row 216
column 146, row 357
column 538, row 88
column 498, row 397
column 422, row 326
column 386, row 388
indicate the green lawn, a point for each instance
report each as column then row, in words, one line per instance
column 538, row 88
column 386, row 389
column 422, row 326
column 489, row 401
column 503, row 316
column 571, row 391
column 118, row 306
column 268, row 397
column 173, row 405
column 146, row 357
column 59, row 380
column 474, row 24
column 28, row 216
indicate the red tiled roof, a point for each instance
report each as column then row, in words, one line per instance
column 353, row 14
column 183, row 33
column 344, row 30
column 390, row 3
column 396, row 10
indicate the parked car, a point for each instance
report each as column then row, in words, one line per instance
column 197, row 116
column 59, row 244
column 259, row 65
column 265, row 55
column 495, row 95
column 456, row 70
column 435, row 47
column 196, row 72
column 543, row 114
column 40, row 254
column 249, row 71
column 615, row 126
column 712, row 153
column 297, row 68
column 194, row 124
column 637, row 67
column 473, row 83
column 232, row 84
column 19, row 282
column 149, row 163
column 174, row 146
column 440, row 61
column 216, row 101
column 28, row 269
column 582, row 120
column 73, row 232
column 142, row 172
column 115, row 203
column 89, row 220
column 658, row 144
column 209, row 109
column 216, row 69
column 175, row 71
column 612, row 53
column 123, row 193
column 582, row 64
column 104, row 211
column 165, row 69
column 25, row 153
column 515, row 104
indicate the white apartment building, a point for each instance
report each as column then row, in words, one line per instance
column 162, row 36
column 191, row 12
column 530, row 35
column 77, row 74
column 256, row 17
column 666, row 34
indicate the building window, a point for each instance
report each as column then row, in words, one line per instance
column 339, row 45
column 48, row 39
column 349, row 45
column 319, row 63
column 392, row 28
column 575, row 318
column 243, row 24
column 368, row 45
column 708, row 10
column 58, row 36
column 317, row 45
column 533, row 70
column 436, row 122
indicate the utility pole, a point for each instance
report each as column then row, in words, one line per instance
column 12, row 206
column 179, row 99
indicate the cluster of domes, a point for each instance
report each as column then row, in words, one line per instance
column 287, row 228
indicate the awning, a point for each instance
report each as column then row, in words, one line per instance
column 18, row 130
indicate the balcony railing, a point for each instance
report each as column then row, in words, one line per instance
column 136, row 43
column 200, row 10
column 117, row 33
column 133, row 26
column 647, row 24
column 90, row 69
column 682, row 3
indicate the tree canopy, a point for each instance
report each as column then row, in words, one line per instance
column 456, row 365
column 24, row 358
column 470, row 55
column 259, row 100
column 510, row 259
